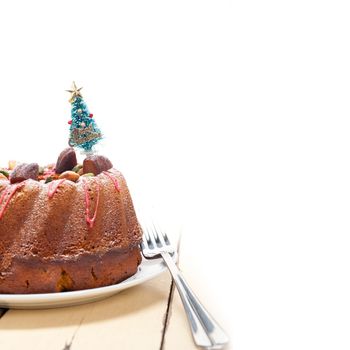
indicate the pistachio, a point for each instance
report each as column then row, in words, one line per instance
column 48, row 179
column 50, row 166
column 3, row 177
column 89, row 175
column 77, row 168
column 4, row 172
column 12, row 164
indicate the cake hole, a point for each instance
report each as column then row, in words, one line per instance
column 65, row 282
column 27, row 283
column 93, row 274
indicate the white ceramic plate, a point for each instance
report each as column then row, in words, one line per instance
column 147, row 270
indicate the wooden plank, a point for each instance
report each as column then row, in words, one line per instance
column 132, row 319
column 178, row 334
column 208, row 286
column 135, row 321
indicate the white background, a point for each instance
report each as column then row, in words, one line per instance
column 234, row 116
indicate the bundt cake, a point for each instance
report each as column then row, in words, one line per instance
column 66, row 226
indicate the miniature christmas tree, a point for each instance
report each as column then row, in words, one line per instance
column 84, row 132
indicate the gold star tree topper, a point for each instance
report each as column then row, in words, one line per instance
column 75, row 92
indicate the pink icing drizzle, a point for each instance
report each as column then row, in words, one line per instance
column 90, row 220
column 115, row 181
column 53, row 187
column 3, row 194
column 12, row 192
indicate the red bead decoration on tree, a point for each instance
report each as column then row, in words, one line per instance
column 91, row 115
column 70, row 122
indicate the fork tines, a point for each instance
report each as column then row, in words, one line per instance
column 154, row 240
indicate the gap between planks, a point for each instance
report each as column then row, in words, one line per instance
column 167, row 315
column 67, row 345
column 3, row 312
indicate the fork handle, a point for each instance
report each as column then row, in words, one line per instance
column 205, row 330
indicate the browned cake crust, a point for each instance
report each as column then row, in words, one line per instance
column 52, row 244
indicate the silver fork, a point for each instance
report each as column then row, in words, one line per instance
column 205, row 330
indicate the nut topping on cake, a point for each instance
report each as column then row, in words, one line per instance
column 96, row 164
column 4, row 172
column 70, row 175
column 24, row 172
column 67, row 160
